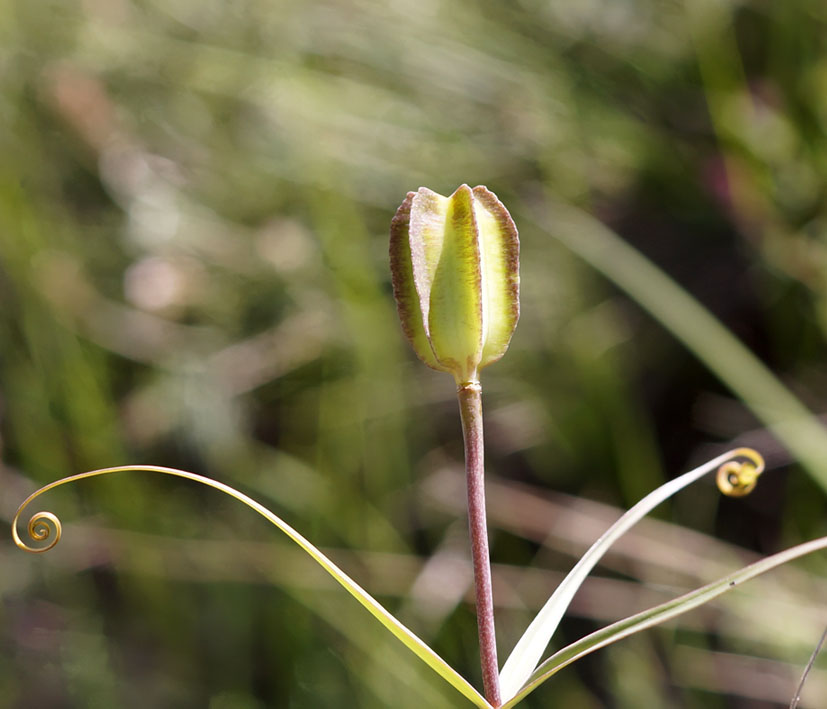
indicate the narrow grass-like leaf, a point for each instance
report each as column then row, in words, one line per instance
column 654, row 616
column 530, row 648
column 39, row 530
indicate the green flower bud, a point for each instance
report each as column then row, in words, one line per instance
column 456, row 278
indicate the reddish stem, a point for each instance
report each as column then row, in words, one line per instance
column 470, row 406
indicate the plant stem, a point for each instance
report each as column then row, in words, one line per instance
column 470, row 407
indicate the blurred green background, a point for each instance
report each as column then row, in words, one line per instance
column 194, row 203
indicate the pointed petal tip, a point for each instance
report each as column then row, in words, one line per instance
column 463, row 189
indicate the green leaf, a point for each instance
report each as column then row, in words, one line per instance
column 39, row 530
column 530, row 648
column 654, row 616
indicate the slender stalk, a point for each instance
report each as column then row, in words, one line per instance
column 470, row 406
column 797, row 698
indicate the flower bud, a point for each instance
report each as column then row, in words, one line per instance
column 456, row 278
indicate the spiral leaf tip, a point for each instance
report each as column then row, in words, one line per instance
column 737, row 478
column 42, row 527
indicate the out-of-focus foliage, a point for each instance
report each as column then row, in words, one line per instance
column 194, row 203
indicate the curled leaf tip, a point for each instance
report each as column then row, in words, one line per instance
column 455, row 272
column 42, row 527
column 738, row 477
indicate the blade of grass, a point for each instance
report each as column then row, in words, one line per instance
column 691, row 323
column 659, row 614
column 39, row 530
column 530, row 648
column 794, row 702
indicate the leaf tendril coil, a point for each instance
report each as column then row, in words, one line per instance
column 41, row 527
column 737, row 478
